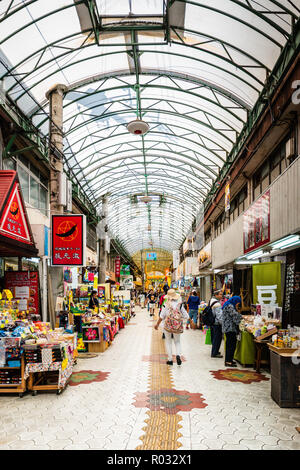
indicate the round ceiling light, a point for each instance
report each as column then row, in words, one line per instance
column 145, row 199
column 138, row 127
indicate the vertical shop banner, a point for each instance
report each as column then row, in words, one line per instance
column 68, row 240
column 176, row 259
column 227, row 197
column 256, row 224
column 117, row 266
column 24, row 286
column 267, row 283
column 13, row 222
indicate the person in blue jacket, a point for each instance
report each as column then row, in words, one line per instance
column 193, row 303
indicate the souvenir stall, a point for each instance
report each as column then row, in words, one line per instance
column 265, row 318
column 32, row 356
column 285, row 371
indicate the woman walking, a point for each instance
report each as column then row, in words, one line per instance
column 172, row 314
column 231, row 319
column 193, row 303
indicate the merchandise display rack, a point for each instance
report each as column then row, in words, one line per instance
column 15, row 388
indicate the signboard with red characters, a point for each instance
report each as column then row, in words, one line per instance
column 256, row 222
column 68, row 240
column 24, row 285
column 13, row 222
column 117, row 266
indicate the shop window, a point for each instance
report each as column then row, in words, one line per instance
column 34, row 192
column 24, row 183
column 9, row 164
column 43, row 200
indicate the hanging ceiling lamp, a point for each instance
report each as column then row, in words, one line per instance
column 138, row 127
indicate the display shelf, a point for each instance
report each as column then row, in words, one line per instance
column 19, row 388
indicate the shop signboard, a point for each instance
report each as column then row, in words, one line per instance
column 204, row 257
column 127, row 282
column 256, row 223
column 68, row 240
column 227, row 197
column 125, row 270
column 151, row 256
column 24, row 285
column 13, row 223
column 267, row 283
column 117, row 266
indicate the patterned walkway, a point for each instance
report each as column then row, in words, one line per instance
column 127, row 398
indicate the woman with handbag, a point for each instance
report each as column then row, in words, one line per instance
column 172, row 314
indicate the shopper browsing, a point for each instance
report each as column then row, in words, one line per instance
column 173, row 314
column 216, row 328
column 231, row 319
column 94, row 302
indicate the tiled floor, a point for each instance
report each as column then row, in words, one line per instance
column 137, row 402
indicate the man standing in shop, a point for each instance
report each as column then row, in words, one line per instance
column 216, row 328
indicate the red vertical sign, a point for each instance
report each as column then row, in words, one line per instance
column 68, row 240
column 13, row 223
column 117, row 266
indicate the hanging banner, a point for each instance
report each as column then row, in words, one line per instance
column 13, row 223
column 227, row 197
column 267, row 283
column 68, row 240
column 24, row 285
column 151, row 256
column 176, row 259
column 256, row 224
column 117, row 266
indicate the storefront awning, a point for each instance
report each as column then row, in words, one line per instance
column 16, row 239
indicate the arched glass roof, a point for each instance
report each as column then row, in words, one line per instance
column 191, row 69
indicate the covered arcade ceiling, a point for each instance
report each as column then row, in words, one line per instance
column 193, row 70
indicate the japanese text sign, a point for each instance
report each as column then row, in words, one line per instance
column 68, row 240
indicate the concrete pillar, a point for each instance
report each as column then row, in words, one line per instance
column 102, row 231
column 55, row 97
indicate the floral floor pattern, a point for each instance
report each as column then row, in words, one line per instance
column 238, row 375
column 87, row 377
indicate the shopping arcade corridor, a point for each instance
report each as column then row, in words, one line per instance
column 137, row 402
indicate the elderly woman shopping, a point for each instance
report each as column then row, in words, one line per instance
column 231, row 319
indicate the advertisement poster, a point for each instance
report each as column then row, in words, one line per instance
column 68, row 240
column 267, row 283
column 24, row 285
column 257, row 224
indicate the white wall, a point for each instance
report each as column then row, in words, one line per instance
column 284, row 218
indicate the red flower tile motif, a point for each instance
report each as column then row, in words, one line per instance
column 161, row 358
column 169, row 401
column 87, row 377
column 237, row 375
